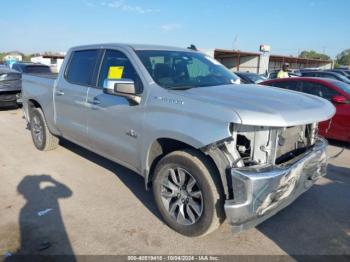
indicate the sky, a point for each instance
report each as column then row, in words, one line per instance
column 289, row 27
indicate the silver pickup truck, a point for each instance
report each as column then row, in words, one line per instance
column 210, row 149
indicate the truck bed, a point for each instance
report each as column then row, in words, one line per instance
column 45, row 75
column 40, row 87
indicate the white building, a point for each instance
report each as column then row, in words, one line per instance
column 13, row 56
column 53, row 61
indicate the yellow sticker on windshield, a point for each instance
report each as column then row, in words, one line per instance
column 115, row 72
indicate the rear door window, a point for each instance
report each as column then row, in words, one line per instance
column 82, row 66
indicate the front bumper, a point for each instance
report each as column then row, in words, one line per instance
column 259, row 193
column 8, row 99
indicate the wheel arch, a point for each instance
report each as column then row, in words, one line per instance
column 158, row 149
column 163, row 146
column 33, row 103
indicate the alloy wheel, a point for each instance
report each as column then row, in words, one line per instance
column 181, row 196
column 37, row 130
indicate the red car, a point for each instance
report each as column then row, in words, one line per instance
column 333, row 90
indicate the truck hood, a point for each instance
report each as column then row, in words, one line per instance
column 265, row 106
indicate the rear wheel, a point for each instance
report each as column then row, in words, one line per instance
column 41, row 135
column 187, row 193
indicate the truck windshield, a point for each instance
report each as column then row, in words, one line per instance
column 183, row 70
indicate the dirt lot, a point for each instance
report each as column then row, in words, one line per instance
column 94, row 206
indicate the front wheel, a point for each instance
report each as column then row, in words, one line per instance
column 187, row 193
column 41, row 135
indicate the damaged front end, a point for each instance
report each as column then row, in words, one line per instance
column 266, row 169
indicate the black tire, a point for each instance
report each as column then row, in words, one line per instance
column 38, row 128
column 205, row 175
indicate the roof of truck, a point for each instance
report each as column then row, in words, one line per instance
column 134, row 46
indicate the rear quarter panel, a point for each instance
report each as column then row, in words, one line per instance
column 40, row 89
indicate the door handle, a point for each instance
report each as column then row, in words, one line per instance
column 94, row 101
column 59, row 93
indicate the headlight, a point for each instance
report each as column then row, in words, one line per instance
column 3, row 76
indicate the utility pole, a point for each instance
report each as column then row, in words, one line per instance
column 235, row 42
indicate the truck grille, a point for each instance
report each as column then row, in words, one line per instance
column 269, row 145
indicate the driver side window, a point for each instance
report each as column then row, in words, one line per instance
column 116, row 65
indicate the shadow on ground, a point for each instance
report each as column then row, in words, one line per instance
column 132, row 180
column 318, row 222
column 42, row 230
column 339, row 144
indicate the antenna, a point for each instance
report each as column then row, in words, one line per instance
column 192, row 47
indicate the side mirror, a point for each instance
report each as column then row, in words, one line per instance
column 339, row 99
column 121, row 87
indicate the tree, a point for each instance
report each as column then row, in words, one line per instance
column 313, row 55
column 344, row 58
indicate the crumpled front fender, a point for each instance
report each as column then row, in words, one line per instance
column 260, row 193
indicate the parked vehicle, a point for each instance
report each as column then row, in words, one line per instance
column 326, row 74
column 31, row 68
column 333, row 90
column 295, row 72
column 309, row 69
column 10, row 87
column 342, row 72
column 250, row 78
column 209, row 148
column 347, row 71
